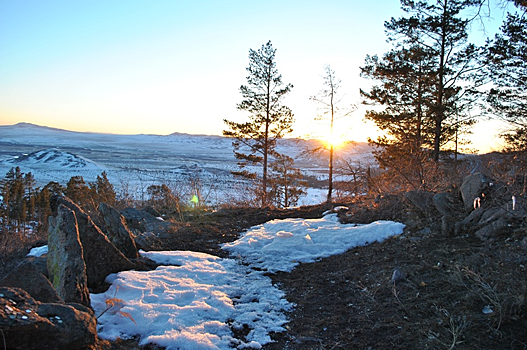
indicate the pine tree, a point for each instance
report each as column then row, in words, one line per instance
column 17, row 190
column 78, row 191
column 507, row 69
column 269, row 120
column 439, row 28
column 286, row 182
column 102, row 190
column 405, row 91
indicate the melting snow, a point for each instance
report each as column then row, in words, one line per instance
column 197, row 299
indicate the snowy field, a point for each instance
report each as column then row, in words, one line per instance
column 195, row 300
column 133, row 162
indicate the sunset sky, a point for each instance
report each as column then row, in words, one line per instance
column 167, row 66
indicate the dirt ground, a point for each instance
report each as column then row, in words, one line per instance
column 448, row 292
column 350, row 301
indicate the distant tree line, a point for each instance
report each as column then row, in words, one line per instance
column 22, row 203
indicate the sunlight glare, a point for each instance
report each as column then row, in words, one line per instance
column 334, row 140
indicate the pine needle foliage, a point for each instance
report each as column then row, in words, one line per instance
column 255, row 141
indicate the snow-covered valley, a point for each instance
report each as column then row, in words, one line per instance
column 136, row 161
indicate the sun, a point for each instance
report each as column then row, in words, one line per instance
column 333, row 139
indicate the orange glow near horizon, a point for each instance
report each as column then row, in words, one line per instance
column 334, row 140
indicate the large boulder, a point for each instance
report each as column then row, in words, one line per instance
column 142, row 221
column 117, row 231
column 29, row 277
column 493, row 229
column 66, row 267
column 491, row 222
column 27, row 324
column 100, row 255
column 473, row 187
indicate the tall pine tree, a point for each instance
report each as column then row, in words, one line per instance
column 406, row 79
column 507, row 69
column 441, row 29
column 269, row 120
column 405, row 90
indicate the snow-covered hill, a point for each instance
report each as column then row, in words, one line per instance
column 135, row 161
column 53, row 159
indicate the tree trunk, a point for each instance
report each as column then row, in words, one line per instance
column 266, row 140
column 330, row 187
column 332, row 146
column 440, row 110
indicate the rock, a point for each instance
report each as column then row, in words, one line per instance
column 523, row 243
column 28, row 276
column 100, row 255
column 493, row 229
column 141, row 221
column 117, row 231
column 27, row 324
column 492, row 222
column 398, row 276
column 470, row 223
column 473, row 186
column 39, row 262
column 493, row 214
column 423, row 200
column 425, row 231
column 148, row 241
column 78, row 326
column 450, row 206
column 65, row 262
column 152, row 211
column 447, row 204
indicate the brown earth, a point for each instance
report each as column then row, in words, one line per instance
column 453, row 293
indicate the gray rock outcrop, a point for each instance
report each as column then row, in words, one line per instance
column 142, row 221
column 117, row 231
column 100, row 255
column 447, row 203
column 29, row 277
column 66, row 266
column 148, row 230
column 480, row 207
column 148, row 241
column 27, row 324
column 450, row 207
column 474, row 186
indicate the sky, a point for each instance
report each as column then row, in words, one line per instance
column 193, row 300
column 164, row 66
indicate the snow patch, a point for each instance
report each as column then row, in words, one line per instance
column 38, row 251
column 197, row 299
